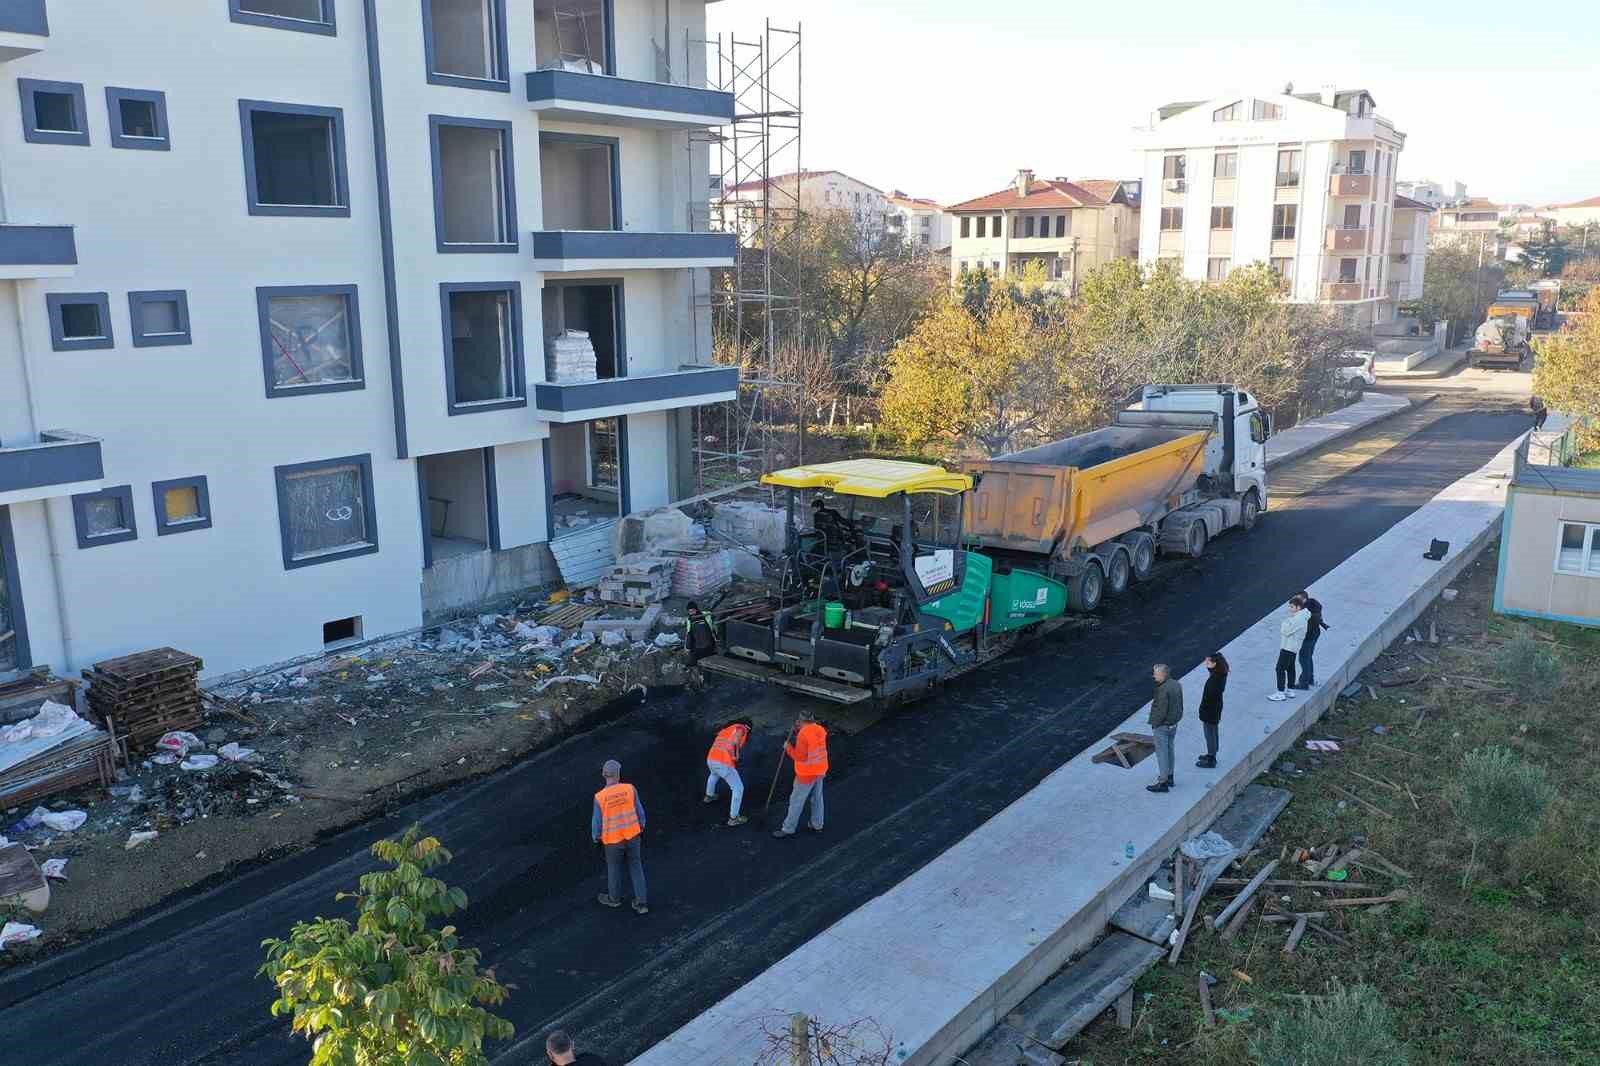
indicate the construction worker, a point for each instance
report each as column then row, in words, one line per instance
column 617, row 825
column 810, row 754
column 698, row 635
column 723, row 762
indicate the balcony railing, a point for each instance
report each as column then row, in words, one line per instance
column 24, row 27
column 583, row 97
column 32, row 252
column 1341, row 290
column 583, row 401
column 1350, row 184
column 58, row 463
column 569, row 250
column 1347, row 238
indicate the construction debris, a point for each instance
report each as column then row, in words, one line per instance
column 49, row 748
column 142, row 696
column 1244, row 896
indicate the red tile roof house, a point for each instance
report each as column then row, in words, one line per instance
column 1070, row 227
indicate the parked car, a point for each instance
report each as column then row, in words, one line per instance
column 1355, row 372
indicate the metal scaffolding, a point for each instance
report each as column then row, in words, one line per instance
column 755, row 308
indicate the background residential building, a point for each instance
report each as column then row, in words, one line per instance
column 923, row 222
column 820, row 191
column 1408, row 248
column 1068, row 226
column 1301, row 181
column 277, row 282
column 1433, row 193
column 1582, row 213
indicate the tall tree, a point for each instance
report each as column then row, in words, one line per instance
column 1567, row 376
column 1456, row 288
column 1546, row 253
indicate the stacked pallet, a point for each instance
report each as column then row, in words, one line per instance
column 570, row 356
column 638, row 580
column 141, row 696
column 60, row 751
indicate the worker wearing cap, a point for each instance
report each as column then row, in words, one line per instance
column 617, row 825
column 723, row 763
column 810, row 754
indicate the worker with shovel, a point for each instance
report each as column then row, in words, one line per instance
column 723, row 763
column 810, row 754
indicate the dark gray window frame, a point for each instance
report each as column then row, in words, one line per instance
column 501, row 84
column 141, row 339
column 264, row 294
column 114, row 97
column 341, row 168
column 11, row 579
column 80, row 518
column 158, row 490
column 618, row 287
column 610, row 15
column 281, row 476
column 508, row 183
column 59, row 342
column 31, row 133
column 519, row 363
column 328, row 27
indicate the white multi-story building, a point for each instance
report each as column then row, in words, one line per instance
column 1067, row 227
column 923, row 222
column 816, row 192
column 276, row 283
column 1433, row 193
column 1408, row 248
column 1301, row 181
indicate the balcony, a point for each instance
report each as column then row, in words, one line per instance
column 582, row 401
column 1347, row 239
column 577, row 96
column 58, row 463
column 1346, row 183
column 1400, row 247
column 30, row 252
column 1340, row 291
column 24, row 28
column 561, row 251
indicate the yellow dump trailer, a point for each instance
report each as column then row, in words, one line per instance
column 1186, row 463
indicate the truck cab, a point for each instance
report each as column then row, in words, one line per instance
column 1236, row 456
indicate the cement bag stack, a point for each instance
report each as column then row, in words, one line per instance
column 702, row 573
column 752, row 524
column 569, row 356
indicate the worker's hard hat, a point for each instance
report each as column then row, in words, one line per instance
column 612, row 768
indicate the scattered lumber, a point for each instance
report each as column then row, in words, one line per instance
column 1205, row 1001
column 1295, row 934
column 1373, row 807
column 1238, row 922
column 1324, row 931
column 1342, row 886
column 1375, row 781
column 1183, row 931
column 1284, row 919
column 1244, row 897
column 1367, row 901
column 1345, row 860
column 1370, row 856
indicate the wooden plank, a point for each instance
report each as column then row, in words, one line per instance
column 1373, row 807
column 1060, row 1008
column 1295, row 934
column 1125, row 1009
column 1183, row 932
column 1238, row 922
column 1367, row 901
column 1205, row 1002
column 1244, row 896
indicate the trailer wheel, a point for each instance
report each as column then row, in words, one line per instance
column 1087, row 588
column 1119, row 572
column 1141, row 555
column 1197, row 538
column 1250, row 511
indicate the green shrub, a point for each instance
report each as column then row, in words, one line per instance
column 1499, row 798
column 1530, row 666
column 1347, row 1027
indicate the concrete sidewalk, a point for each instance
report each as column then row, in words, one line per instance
column 1439, row 366
column 940, row 958
column 1325, row 429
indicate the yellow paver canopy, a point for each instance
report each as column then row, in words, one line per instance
column 876, row 478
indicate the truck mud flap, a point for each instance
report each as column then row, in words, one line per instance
column 748, row 641
column 843, row 661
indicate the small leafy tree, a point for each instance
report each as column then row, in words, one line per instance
column 1567, row 376
column 1499, row 798
column 391, row 989
column 1347, row 1027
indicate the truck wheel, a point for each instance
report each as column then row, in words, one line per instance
column 1119, row 572
column 1250, row 511
column 1141, row 555
column 1197, row 537
column 1086, row 589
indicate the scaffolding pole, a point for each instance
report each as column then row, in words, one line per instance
column 754, row 309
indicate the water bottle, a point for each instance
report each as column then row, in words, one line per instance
column 900, row 1053
column 1128, row 851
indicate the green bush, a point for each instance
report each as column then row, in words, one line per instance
column 1347, row 1027
column 1530, row 666
column 1499, row 798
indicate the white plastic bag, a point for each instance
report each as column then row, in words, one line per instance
column 140, row 836
column 199, row 761
column 1208, row 845
column 177, row 743
column 234, row 753
column 55, row 869
column 668, row 640
column 17, row 933
column 53, row 718
column 60, row 821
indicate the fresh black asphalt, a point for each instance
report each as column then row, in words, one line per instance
column 178, row 986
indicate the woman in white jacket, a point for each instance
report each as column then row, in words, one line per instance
column 1293, row 629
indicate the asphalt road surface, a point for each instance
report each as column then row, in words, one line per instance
column 179, row 986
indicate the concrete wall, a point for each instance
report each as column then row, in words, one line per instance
column 458, row 477
column 1529, row 582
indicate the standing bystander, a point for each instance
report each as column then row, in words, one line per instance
column 1211, row 706
column 1292, row 634
column 1314, row 627
column 1166, row 711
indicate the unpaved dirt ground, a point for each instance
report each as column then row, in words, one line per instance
column 336, row 741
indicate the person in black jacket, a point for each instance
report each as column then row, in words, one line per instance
column 1314, row 630
column 1211, row 706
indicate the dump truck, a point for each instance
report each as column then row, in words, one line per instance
column 899, row 576
column 1502, row 342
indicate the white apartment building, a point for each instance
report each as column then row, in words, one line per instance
column 923, row 222
column 276, row 283
column 816, row 192
column 1435, row 194
column 1070, row 227
column 1408, row 248
column 1301, row 181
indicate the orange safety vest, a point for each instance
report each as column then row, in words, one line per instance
column 809, row 752
column 725, row 749
column 619, row 814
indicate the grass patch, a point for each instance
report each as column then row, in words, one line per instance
column 1501, row 967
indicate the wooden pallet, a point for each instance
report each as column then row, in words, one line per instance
column 83, row 760
column 571, row 615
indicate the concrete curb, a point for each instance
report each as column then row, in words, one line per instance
column 1444, row 365
column 1317, row 432
column 941, row 958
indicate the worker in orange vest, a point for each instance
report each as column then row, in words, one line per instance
column 723, row 762
column 617, row 825
column 810, row 754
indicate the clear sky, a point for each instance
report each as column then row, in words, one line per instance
column 948, row 99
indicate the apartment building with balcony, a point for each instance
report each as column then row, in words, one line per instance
column 1408, row 248
column 277, row 279
column 922, row 222
column 1301, row 181
column 1067, row 227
